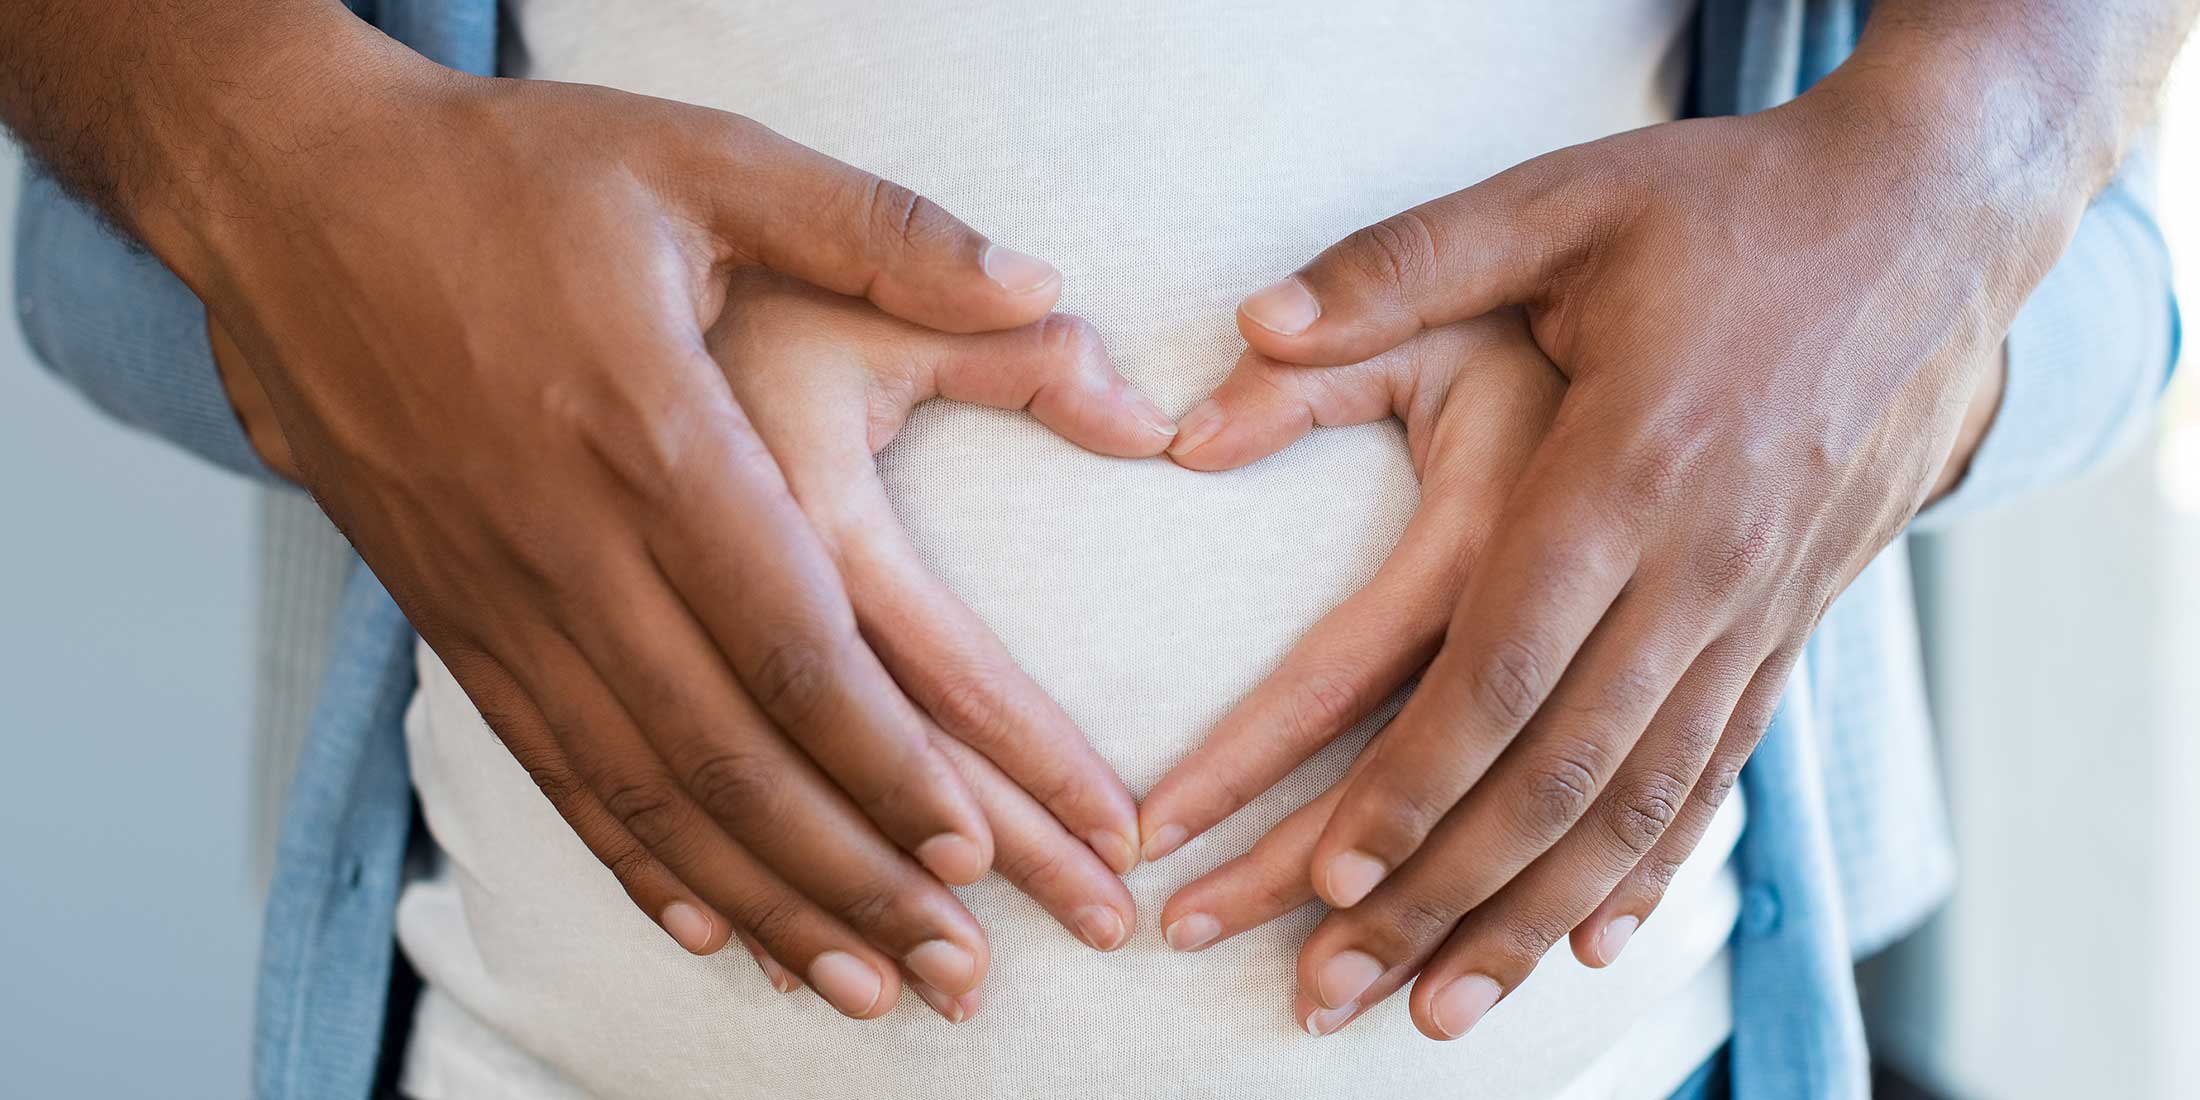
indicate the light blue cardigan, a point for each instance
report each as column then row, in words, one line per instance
column 1844, row 848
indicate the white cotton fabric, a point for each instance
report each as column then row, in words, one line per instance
column 1169, row 158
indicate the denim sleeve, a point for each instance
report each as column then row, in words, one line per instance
column 2088, row 354
column 112, row 322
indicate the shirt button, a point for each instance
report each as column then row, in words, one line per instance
column 1760, row 911
column 355, row 871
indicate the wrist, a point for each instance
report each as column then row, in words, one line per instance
column 238, row 157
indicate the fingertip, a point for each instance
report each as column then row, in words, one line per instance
column 1022, row 276
column 954, row 859
column 696, row 931
column 1197, row 429
column 1162, row 840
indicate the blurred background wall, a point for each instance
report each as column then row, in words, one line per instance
column 2064, row 643
column 129, row 915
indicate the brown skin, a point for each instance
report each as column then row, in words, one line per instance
column 557, row 361
column 1781, row 334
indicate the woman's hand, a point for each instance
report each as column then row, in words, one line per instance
column 826, row 382
column 1476, row 398
column 1782, row 335
column 488, row 318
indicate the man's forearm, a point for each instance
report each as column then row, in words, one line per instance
column 2055, row 88
column 166, row 115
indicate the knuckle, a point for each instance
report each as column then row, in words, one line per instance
column 631, row 864
column 1418, row 919
column 557, row 783
column 1400, row 250
column 975, row 709
column 650, row 810
column 732, row 785
column 1070, row 340
column 793, row 678
column 1038, row 870
column 1728, row 564
column 774, row 918
column 871, row 906
column 1322, row 707
column 1510, row 681
column 1561, row 787
column 901, row 219
column 1638, row 814
column 1524, row 939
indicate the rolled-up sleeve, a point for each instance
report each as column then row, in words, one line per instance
column 121, row 329
column 2088, row 355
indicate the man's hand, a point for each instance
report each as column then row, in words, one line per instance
column 1782, row 336
column 1476, row 398
column 485, row 315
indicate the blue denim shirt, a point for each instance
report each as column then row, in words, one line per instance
column 1845, row 846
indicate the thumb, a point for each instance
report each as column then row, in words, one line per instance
column 774, row 202
column 1058, row 369
column 1498, row 243
column 1265, row 406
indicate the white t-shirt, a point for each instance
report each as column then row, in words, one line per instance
column 1169, row 158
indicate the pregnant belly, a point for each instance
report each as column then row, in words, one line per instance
column 1147, row 600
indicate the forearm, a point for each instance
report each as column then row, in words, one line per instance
column 2057, row 88
column 171, row 118
column 2014, row 115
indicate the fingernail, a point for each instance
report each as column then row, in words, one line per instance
column 1459, row 1006
column 687, row 926
column 1192, row 932
column 1114, row 849
column 954, row 1009
column 1350, row 876
column 1164, row 840
column 942, row 964
column 1322, row 1021
column 1099, row 926
column 1015, row 271
column 1284, row 307
column 1197, row 427
column 777, row 975
column 1346, row 975
column 1148, row 413
column 773, row 972
column 952, row 857
column 1614, row 938
column 846, row 982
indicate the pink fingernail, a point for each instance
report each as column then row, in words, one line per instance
column 1192, row 932
column 944, row 965
column 954, row 1010
column 1015, row 271
column 773, row 972
column 1459, row 1006
column 1113, row 849
column 1614, row 938
column 1148, row 413
column 1351, row 876
column 1164, row 840
column 1099, row 926
column 687, row 926
column 1197, row 427
column 1322, row 1021
column 953, row 858
column 1346, row 975
column 1284, row 307
column 846, row 982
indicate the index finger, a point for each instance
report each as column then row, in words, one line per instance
column 1552, row 568
column 734, row 545
column 792, row 209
